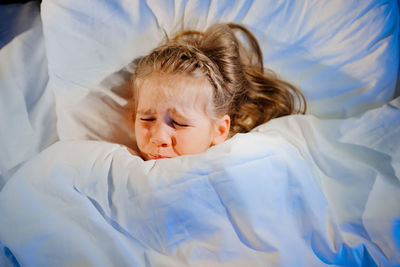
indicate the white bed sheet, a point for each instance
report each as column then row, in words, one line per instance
column 279, row 196
column 27, row 106
column 342, row 54
column 299, row 190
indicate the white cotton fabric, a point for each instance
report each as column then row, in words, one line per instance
column 27, row 108
column 342, row 54
column 298, row 191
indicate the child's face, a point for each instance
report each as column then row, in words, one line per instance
column 171, row 117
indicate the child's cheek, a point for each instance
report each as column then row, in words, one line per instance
column 140, row 134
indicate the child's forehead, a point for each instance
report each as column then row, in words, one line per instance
column 176, row 88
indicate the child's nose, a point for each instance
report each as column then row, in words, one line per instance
column 160, row 135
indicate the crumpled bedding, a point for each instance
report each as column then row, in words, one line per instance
column 27, row 106
column 278, row 196
column 313, row 190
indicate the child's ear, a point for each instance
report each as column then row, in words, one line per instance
column 222, row 127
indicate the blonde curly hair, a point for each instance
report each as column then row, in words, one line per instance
column 249, row 93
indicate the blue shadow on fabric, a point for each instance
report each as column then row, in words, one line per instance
column 16, row 19
column 10, row 256
column 396, row 233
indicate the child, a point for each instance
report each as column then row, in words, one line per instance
column 199, row 88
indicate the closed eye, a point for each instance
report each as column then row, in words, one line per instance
column 180, row 124
column 147, row 119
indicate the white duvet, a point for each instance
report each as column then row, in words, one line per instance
column 313, row 190
column 296, row 191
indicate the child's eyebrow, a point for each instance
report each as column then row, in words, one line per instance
column 146, row 112
column 180, row 115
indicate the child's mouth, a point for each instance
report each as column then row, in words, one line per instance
column 158, row 157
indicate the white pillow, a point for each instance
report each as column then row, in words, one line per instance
column 342, row 54
column 27, row 110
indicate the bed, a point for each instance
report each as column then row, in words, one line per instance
column 301, row 190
